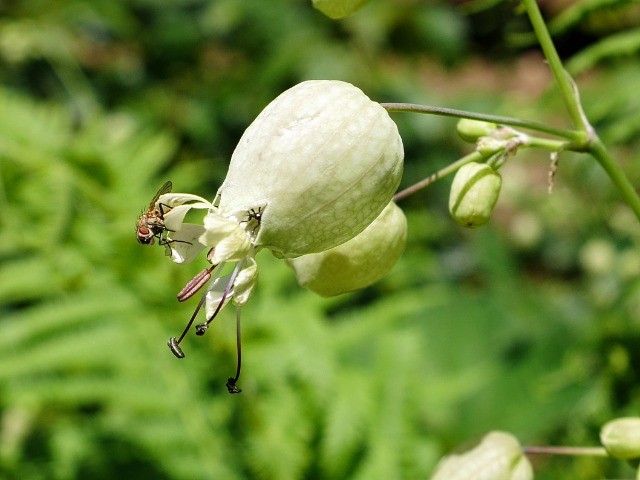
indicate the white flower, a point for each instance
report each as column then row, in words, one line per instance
column 315, row 168
column 227, row 238
column 496, row 456
column 321, row 162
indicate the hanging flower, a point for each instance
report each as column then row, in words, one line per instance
column 321, row 162
column 315, row 168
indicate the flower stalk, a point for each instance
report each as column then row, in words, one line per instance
column 434, row 177
column 569, row 451
column 572, row 135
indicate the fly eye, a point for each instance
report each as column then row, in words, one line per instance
column 146, row 240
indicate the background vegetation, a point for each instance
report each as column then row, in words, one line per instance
column 530, row 325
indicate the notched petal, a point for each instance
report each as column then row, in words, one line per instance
column 175, row 217
column 229, row 241
column 245, row 283
column 184, row 243
column 216, row 294
column 175, row 199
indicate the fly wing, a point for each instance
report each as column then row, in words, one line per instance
column 166, row 188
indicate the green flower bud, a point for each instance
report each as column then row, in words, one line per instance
column 358, row 263
column 496, row 456
column 339, row 8
column 471, row 130
column 621, row 437
column 490, row 145
column 319, row 163
column 474, row 193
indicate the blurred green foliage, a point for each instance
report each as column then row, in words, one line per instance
column 530, row 325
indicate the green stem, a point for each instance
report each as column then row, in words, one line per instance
column 582, row 140
column 592, row 144
column 573, row 451
column 557, row 69
column 616, row 174
column 548, row 144
column 514, row 122
column 472, row 157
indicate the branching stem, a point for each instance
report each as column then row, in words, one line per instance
column 555, row 64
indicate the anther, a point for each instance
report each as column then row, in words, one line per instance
column 195, row 284
column 201, row 328
column 174, row 344
column 175, row 348
column 231, row 386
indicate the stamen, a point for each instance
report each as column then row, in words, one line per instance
column 201, row 328
column 174, row 345
column 195, row 284
column 175, row 348
column 231, row 382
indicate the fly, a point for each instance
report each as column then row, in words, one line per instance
column 150, row 224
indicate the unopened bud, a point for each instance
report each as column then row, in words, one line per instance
column 621, row 437
column 488, row 145
column 474, row 193
column 471, row 130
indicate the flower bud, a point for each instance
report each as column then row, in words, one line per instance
column 496, row 456
column 489, row 145
column 471, row 130
column 320, row 163
column 474, row 193
column 358, row 263
column 621, row 437
column 339, row 8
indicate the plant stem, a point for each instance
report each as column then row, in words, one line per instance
column 592, row 143
column 616, row 174
column 582, row 140
column 472, row 157
column 573, row 451
column 557, row 69
column 548, row 144
column 514, row 122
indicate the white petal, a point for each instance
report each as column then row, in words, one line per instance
column 245, row 283
column 229, row 240
column 184, row 243
column 232, row 248
column 215, row 293
column 175, row 199
column 173, row 219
